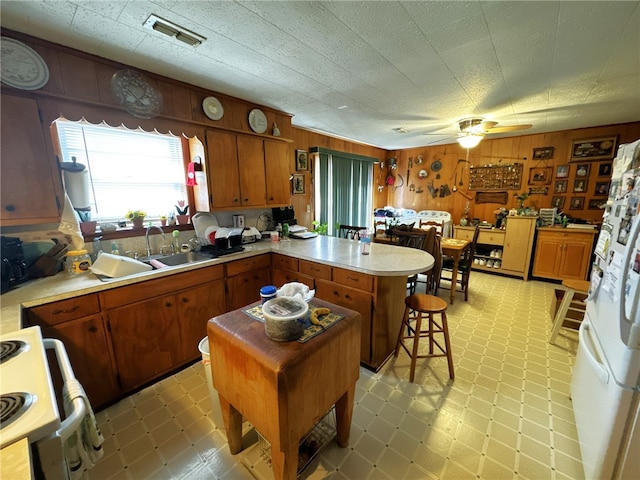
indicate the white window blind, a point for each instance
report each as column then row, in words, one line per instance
column 128, row 169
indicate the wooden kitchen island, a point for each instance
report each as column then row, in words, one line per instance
column 284, row 388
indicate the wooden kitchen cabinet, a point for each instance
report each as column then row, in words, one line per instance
column 146, row 340
column 154, row 326
column 563, row 253
column 195, row 307
column 369, row 295
column 30, row 188
column 277, row 170
column 514, row 244
column 245, row 278
column 247, row 171
column 78, row 323
column 286, row 270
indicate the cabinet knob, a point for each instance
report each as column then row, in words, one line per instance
column 185, row 300
column 93, row 329
column 10, row 208
column 168, row 304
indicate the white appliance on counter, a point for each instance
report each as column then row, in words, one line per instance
column 28, row 405
column 605, row 388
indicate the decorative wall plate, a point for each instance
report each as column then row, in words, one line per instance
column 436, row 166
column 21, row 66
column 136, row 94
column 258, row 120
column 419, row 160
column 212, row 108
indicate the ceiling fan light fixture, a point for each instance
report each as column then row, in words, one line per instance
column 470, row 140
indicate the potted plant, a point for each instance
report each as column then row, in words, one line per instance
column 521, row 198
column 182, row 209
column 163, row 220
column 136, row 217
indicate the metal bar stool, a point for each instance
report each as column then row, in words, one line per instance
column 568, row 304
column 416, row 306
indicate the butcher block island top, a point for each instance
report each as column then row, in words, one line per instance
column 284, row 388
column 384, row 261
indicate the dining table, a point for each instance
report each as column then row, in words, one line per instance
column 454, row 248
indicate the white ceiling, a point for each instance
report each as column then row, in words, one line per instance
column 360, row 69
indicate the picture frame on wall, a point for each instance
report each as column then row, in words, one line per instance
column 580, row 185
column 557, row 202
column 602, row 188
column 540, row 175
column 577, row 203
column 298, row 184
column 593, row 149
column 582, row 170
column 562, row 171
column 596, row 204
column 538, row 190
column 604, row 170
column 302, row 161
column 560, row 186
column 543, row 153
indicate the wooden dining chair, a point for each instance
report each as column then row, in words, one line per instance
column 426, row 224
column 413, row 238
column 464, row 266
column 350, row 232
column 433, row 247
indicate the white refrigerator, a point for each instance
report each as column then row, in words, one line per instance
column 605, row 387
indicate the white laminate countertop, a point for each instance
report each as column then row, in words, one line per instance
column 384, row 261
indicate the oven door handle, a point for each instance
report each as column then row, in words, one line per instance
column 74, row 419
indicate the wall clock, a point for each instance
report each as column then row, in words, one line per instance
column 22, row 67
column 258, row 120
column 135, row 94
column 212, row 108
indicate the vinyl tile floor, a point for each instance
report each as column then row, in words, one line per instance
column 507, row 414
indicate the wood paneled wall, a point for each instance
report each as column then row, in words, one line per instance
column 79, row 86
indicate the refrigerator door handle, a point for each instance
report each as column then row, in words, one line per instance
column 584, row 338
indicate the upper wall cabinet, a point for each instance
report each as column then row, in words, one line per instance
column 246, row 171
column 29, row 191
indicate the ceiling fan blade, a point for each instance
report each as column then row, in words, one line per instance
column 509, row 128
column 486, row 125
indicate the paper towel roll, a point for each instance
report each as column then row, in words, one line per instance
column 76, row 184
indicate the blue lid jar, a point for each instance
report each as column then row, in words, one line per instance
column 268, row 292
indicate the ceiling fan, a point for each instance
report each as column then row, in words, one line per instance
column 473, row 130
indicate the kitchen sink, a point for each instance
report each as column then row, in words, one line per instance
column 157, row 261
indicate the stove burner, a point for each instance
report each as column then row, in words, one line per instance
column 13, row 405
column 11, row 348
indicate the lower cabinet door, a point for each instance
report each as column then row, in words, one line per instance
column 88, row 350
column 356, row 300
column 244, row 288
column 146, row 340
column 195, row 308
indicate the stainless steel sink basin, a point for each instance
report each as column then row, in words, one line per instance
column 173, row 260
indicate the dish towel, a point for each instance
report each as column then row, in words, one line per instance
column 84, row 447
column 69, row 224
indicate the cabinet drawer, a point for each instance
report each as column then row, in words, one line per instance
column 464, row 233
column 315, row 270
column 247, row 264
column 63, row 311
column 284, row 262
column 161, row 286
column 491, row 237
column 350, row 278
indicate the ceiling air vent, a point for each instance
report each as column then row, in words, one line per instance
column 173, row 30
column 400, row 130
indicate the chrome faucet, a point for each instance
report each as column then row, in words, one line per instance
column 147, row 237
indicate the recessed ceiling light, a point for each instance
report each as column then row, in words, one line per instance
column 400, row 130
column 173, row 30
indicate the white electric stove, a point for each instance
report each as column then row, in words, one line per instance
column 28, row 405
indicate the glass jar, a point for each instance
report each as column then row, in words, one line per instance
column 78, row 261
